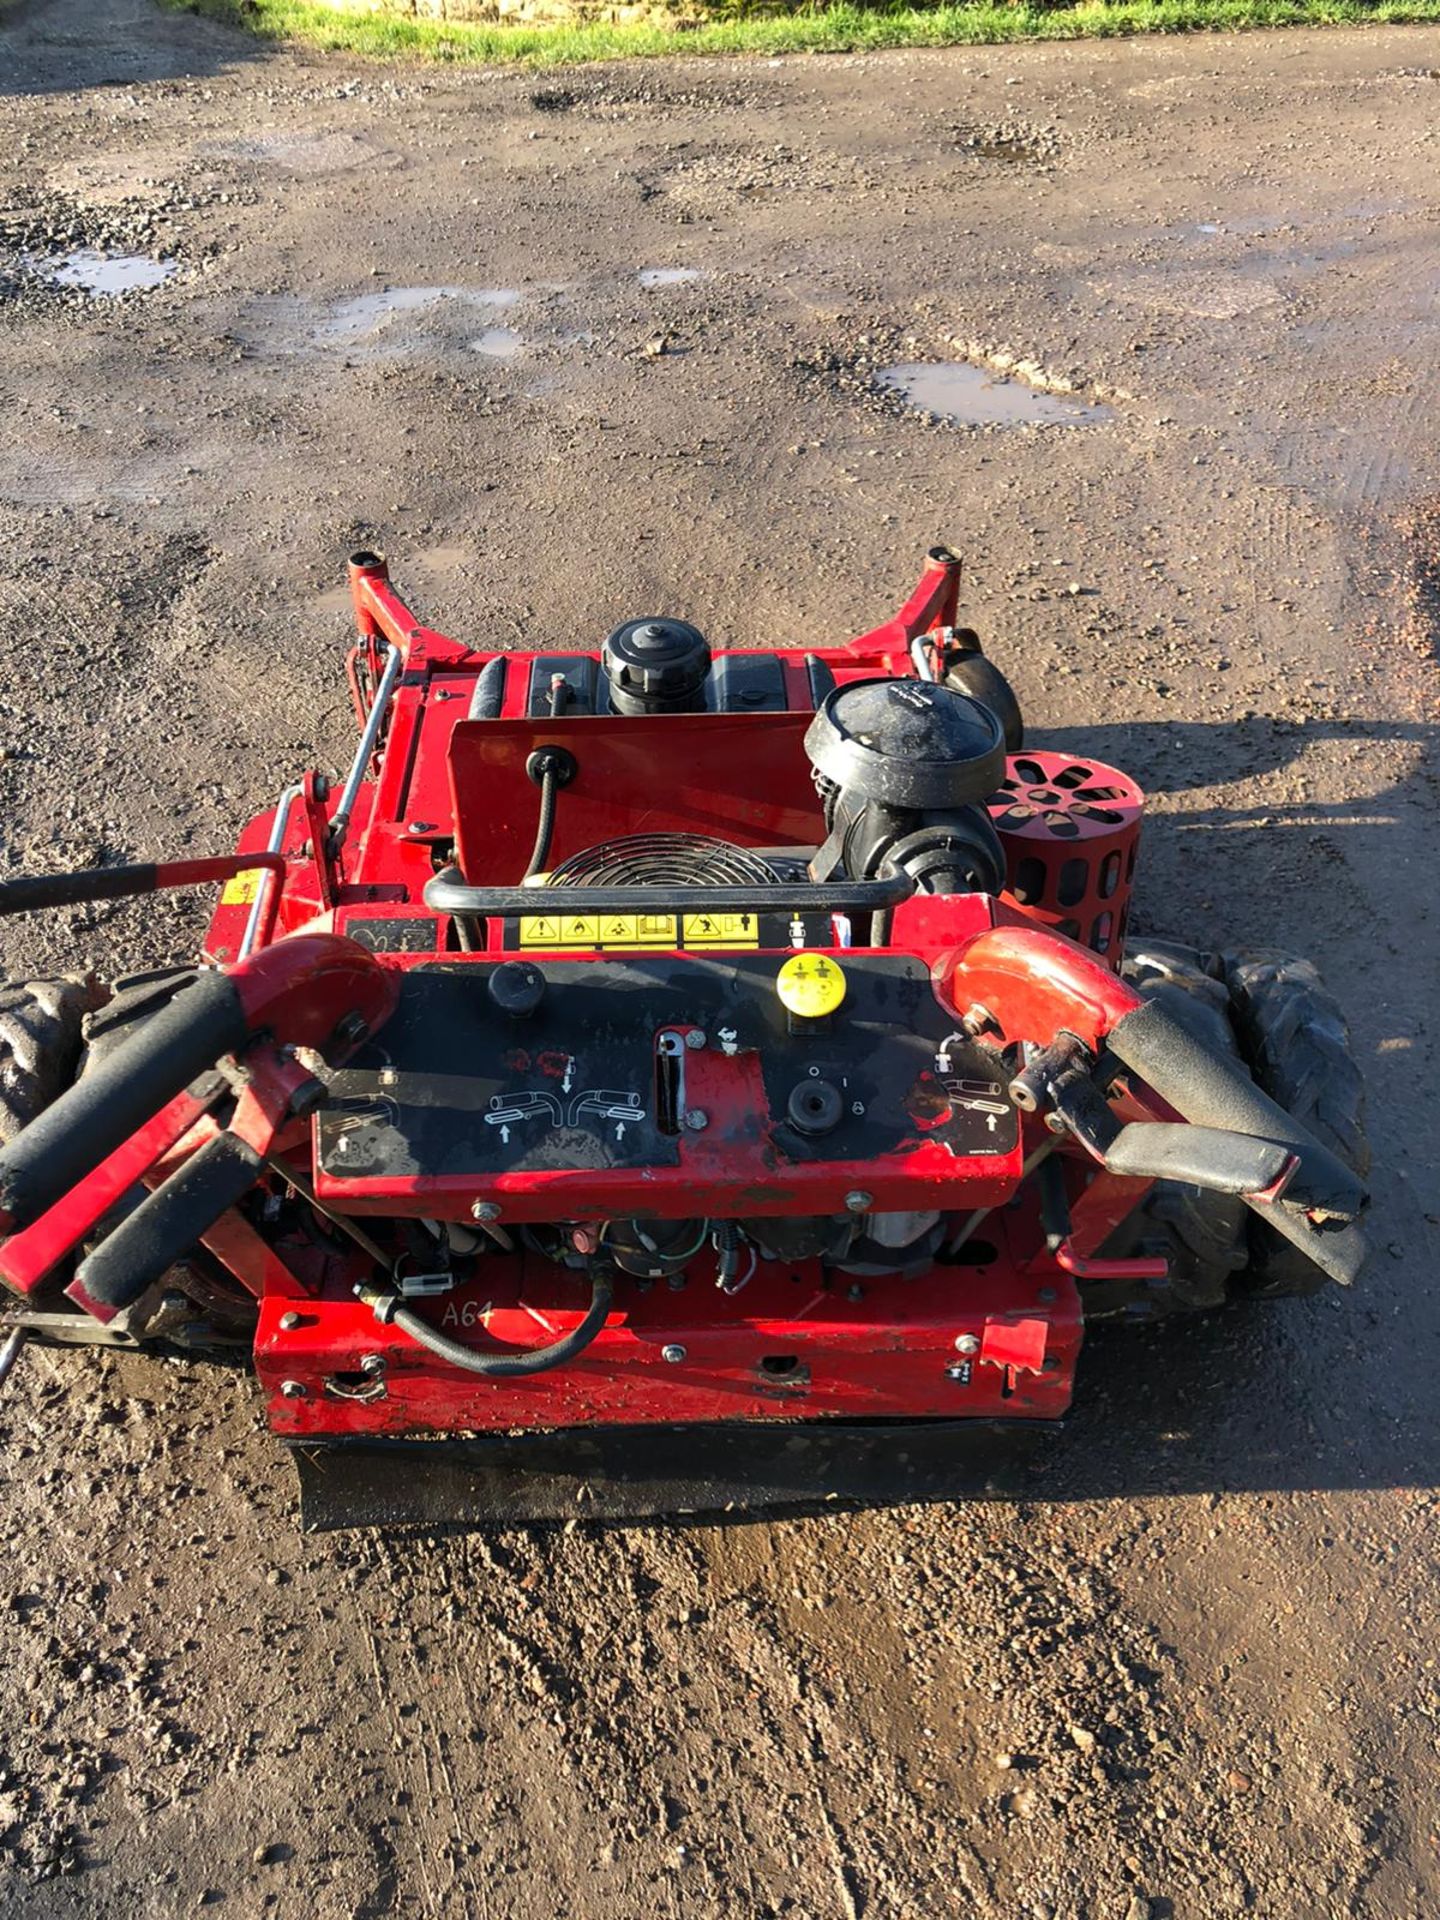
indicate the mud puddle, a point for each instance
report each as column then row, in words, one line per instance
column 497, row 343
column 1015, row 142
column 306, row 151
column 968, row 396
column 366, row 313
column 103, row 275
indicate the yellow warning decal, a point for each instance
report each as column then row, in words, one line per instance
column 242, row 889
column 637, row 930
column 598, row 930
column 722, row 930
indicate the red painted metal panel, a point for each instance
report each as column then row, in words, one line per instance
column 740, row 777
column 787, row 1347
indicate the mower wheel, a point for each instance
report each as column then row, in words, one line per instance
column 1294, row 1039
column 975, row 674
column 1201, row 1234
column 129, row 1003
column 40, row 1024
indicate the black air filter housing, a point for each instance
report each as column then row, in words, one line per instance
column 903, row 768
column 907, row 743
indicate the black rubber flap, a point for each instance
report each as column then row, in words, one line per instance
column 638, row 1474
column 908, row 743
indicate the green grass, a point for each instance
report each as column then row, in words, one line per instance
column 830, row 28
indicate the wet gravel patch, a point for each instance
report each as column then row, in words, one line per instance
column 618, row 95
column 1420, row 532
column 1013, row 142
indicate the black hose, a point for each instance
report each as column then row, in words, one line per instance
column 546, row 829
column 549, row 785
column 507, row 1366
column 727, row 1247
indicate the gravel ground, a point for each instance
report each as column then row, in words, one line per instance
column 1194, row 1673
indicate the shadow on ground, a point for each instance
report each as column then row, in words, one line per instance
column 60, row 46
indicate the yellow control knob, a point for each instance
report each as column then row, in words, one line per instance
column 810, row 985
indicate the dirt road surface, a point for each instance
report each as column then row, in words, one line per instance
column 1195, row 1673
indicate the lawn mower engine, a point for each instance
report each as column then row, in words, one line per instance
column 655, row 1079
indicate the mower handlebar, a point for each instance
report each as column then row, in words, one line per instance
column 1211, row 1091
column 447, row 892
column 1306, row 1192
column 204, row 1019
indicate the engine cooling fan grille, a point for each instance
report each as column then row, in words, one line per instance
column 664, row 860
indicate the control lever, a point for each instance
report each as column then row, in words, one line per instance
column 1278, row 1169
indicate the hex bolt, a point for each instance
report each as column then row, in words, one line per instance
column 421, row 826
column 372, row 1363
column 979, row 1020
column 674, row 1354
column 696, row 1121
column 352, row 1028
column 293, row 1389
column 854, row 1291
column 960, row 1371
column 289, row 1322
column 485, row 1211
column 1055, row 1123
column 967, row 1343
column 695, row 1039
column 858, row 1201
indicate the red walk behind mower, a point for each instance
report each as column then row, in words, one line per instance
column 657, row 1079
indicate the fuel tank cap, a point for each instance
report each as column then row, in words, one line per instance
column 656, row 665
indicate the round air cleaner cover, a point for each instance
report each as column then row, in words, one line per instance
column 908, row 743
column 656, row 659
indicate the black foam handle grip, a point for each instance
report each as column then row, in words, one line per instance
column 203, row 1020
column 1199, row 1156
column 164, row 1227
column 1212, row 1091
column 1324, row 1198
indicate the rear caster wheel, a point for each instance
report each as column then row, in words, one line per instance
column 40, row 1034
column 1271, row 1011
column 1296, row 1044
